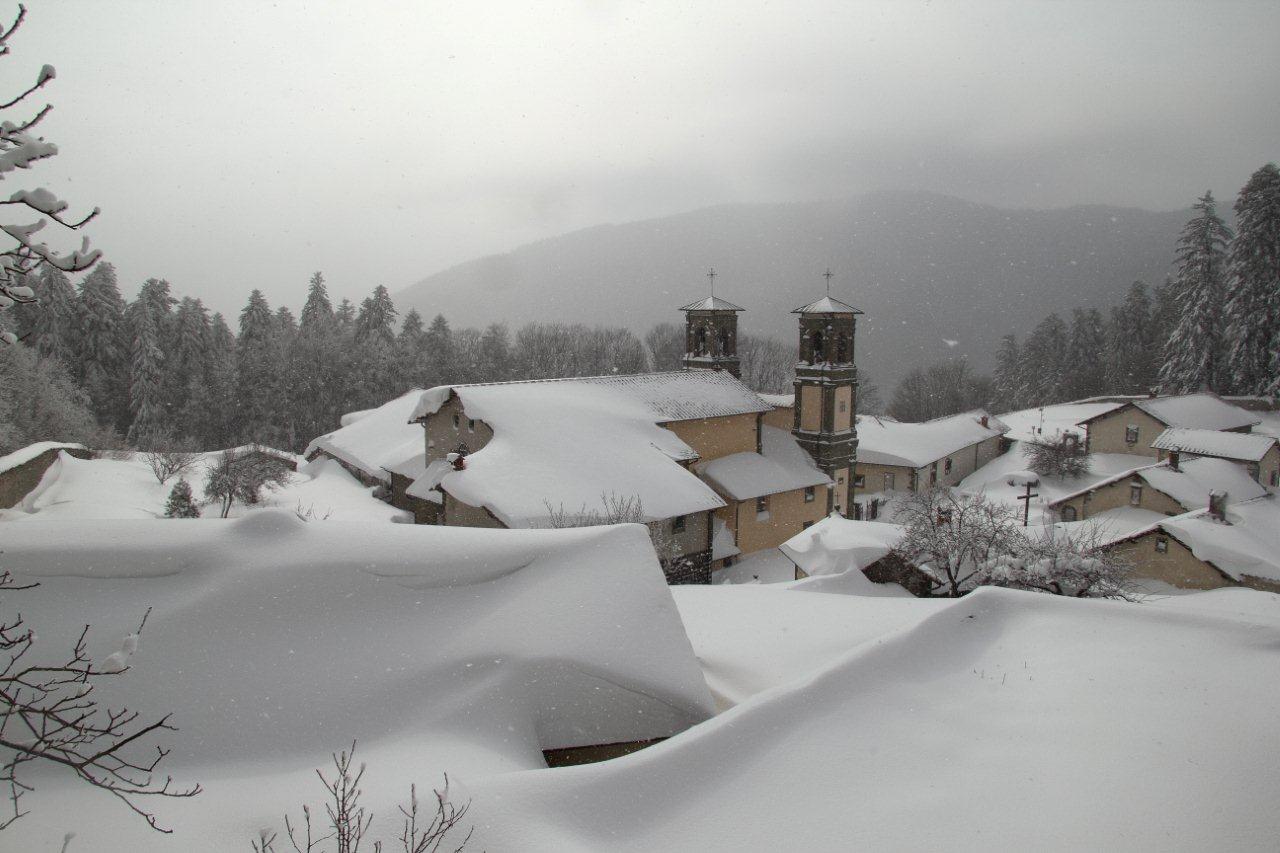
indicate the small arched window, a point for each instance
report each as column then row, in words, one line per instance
column 842, row 349
column 817, row 347
column 700, row 341
column 726, row 343
column 1068, row 513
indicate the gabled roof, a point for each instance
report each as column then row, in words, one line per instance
column 712, row 303
column 375, row 440
column 1194, row 411
column 1246, row 447
column 837, row 544
column 1189, row 485
column 571, row 445
column 883, row 441
column 782, row 467
column 827, row 305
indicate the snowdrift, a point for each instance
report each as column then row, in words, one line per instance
column 273, row 642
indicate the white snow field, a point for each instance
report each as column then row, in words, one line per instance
column 1052, row 421
column 274, row 641
column 1003, row 721
column 125, row 488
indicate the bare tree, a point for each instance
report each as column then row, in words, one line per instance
column 952, row 536
column 349, row 821
column 625, row 509
column 242, row 474
column 48, row 712
column 19, row 149
column 1065, row 456
column 166, row 464
column 1074, row 563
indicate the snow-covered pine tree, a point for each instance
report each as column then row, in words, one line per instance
column 319, row 369
column 1251, row 315
column 410, row 345
column 258, row 377
column 495, row 353
column 1044, row 362
column 184, row 372
column 213, row 406
column 181, row 502
column 54, row 328
column 145, row 377
column 375, row 340
column 1132, row 351
column 1008, row 375
column 1193, row 350
column 345, row 315
column 439, row 353
column 103, row 369
column 1086, row 349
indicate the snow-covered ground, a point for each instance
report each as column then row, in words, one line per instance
column 1004, row 720
column 125, row 488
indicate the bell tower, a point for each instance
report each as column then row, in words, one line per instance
column 826, row 391
column 711, row 333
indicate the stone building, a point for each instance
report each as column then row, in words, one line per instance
column 1258, row 454
column 1131, row 427
column 1169, row 488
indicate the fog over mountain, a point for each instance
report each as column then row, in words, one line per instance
column 926, row 269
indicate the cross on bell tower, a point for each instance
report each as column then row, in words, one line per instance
column 826, row 392
column 711, row 332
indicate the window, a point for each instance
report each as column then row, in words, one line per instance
column 762, row 508
column 946, row 468
column 471, row 424
column 806, row 525
column 457, row 421
column 888, row 482
column 1131, row 434
column 808, row 494
column 1162, row 545
column 844, row 405
column 1275, row 478
column 677, row 524
column 1135, row 494
column 1068, row 513
column 859, row 481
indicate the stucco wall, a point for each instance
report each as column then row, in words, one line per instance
column 1177, row 566
column 1107, row 433
column 844, row 408
column 1269, row 469
column 841, row 479
column 458, row 514
column 810, row 403
column 873, row 477
column 712, row 438
column 783, row 418
column 786, row 517
column 1116, row 495
column 443, row 437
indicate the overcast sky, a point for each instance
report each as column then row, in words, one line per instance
column 242, row 145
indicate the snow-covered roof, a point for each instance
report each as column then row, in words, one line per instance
column 375, row 440
column 271, row 636
column 712, row 303
column 681, row 395
column 1195, row 411
column 827, row 305
column 883, row 441
column 1189, row 485
column 1247, row 447
column 573, row 443
column 779, row 401
column 23, row 455
column 781, row 467
column 836, row 544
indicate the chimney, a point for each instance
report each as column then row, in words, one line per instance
column 457, row 460
column 1218, row 505
column 1173, row 460
column 984, row 421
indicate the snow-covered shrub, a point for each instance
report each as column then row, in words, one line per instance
column 242, row 474
column 1073, row 564
column 624, row 509
column 166, row 464
column 952, row 536
column 1065, row 457
column 181, row 503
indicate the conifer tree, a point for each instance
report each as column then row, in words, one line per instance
column 375, row 339
column 1132, row 351
column 1044, row 362
column 495, row 353
column 1252, row 310
column 410, row 345
column 1008, row 375
column 103, row 366
column 318, row 369
column 439, row 353
column 1193, row 350
column 181, row 502
column 185, row 365
column 145, row 393
column 257, row 372
column 1086, row 348
column 213, row 407
column 53, row 326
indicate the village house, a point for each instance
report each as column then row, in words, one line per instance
column 1258, row 454
column 895, row 456
column 1171, row 487
column 1131, row 427
column 1222, row 545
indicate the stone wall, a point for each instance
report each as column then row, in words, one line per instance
column 21, row 480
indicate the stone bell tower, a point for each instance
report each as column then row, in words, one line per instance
column 711, row 333
column 826, row 390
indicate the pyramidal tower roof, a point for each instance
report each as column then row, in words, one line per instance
column 827, row 305
column 712, row 303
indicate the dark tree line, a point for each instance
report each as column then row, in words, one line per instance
column 163, row 372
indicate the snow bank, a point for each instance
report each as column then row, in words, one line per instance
column 25, row 454
column 274, row 641
column 837, row 544
column 882, row 441
column 376, row 439
column 1072, row 724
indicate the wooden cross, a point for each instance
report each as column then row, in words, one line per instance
column 1026, row 504
column 827, row 276
column 711, row 274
